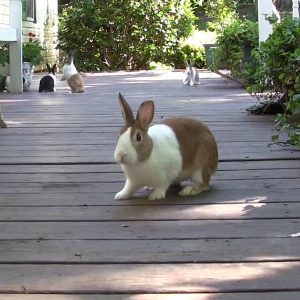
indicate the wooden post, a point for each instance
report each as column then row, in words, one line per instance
column 15, row 48
column 264, row 11
column 295, row 9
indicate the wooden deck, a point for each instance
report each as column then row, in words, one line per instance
column 63, row 237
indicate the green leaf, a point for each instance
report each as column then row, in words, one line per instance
column 275, row 138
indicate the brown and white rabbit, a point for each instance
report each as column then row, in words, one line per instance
column 160, row 155
column 71, row 75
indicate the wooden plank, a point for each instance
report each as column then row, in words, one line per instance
column 47, row 198
column 111, row 138
column 85, row 157
column 118, row 122
column 115, row 186
column 105, row 151
column 165, row 278
column 81, row 119
column 149, row 251
column 63, row 176
column 103, row 145
column 232, row 167
column 245, row 211
column 190, row 296
column 241, row 129
column 178, row 229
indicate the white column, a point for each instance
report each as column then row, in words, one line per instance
column 15, row 48
column 295, row 8
column 264, row 11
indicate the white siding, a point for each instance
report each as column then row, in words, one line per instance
column 46, row 32
column 4, row 9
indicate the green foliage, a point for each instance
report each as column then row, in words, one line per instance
column 234, row 47
column 221, row 12
column 289, row 123
column 4, row 54
column 129, row 34
column 32, row 52
column 190, row 53
column 277, row 74
column 277, row 66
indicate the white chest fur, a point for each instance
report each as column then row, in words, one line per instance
column 69, row 71
column 165, row 162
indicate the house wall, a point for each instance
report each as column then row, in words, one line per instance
column 4, row 17
column 45, row 28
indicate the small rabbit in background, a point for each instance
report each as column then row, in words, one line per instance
column 191, row 75
column 27, row 75
column 27, row 71
column 2, row 122
column 47, row 83
column 71, row 75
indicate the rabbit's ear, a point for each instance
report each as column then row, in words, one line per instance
column 53, row 68
column 145, row 113
column 48, row 67
column 186, row 63
column 126, row 110
column 72, row 53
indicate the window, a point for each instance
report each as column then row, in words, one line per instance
column 29, row 10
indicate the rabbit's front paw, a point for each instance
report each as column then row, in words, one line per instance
column 122, row 195
column 157, row 194
column 191, row 190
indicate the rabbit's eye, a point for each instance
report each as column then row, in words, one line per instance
column 138, row 137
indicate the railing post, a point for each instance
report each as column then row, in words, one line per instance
column 264, row 11
column 295, row 8
column 15, row 48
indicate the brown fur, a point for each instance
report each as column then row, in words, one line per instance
column 144, row 147
column 198, row 147
column 76, row 83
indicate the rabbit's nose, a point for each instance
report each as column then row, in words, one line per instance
column 123, row 157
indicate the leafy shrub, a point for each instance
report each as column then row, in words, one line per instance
column 189, row 53
column 221, row 13
column 32, row 52
column 234, row 47
column 289, row 123
column 277, row 61
column 4, row 54
column 277, row 75
column 111, row 35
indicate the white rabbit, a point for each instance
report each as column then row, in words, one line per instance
column 164, row 154
column 71, row 75
column 191, row 75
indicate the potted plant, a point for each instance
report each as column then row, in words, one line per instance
column 32, row 55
